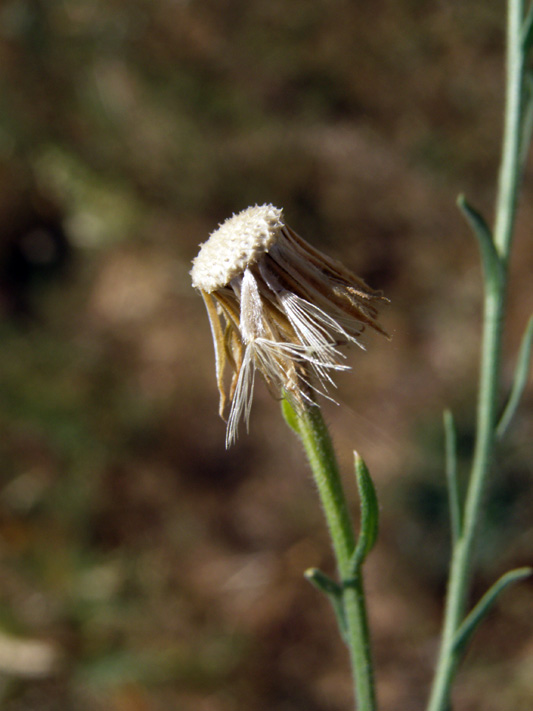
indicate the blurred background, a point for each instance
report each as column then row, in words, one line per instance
column 142, row 566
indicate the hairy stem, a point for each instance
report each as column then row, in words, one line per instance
column 319, row 449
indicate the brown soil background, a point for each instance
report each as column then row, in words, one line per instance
column 158, row 570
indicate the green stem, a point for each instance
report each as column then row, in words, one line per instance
column 511, row 163
column 489, row 385
column 462, row 555
column 319, row 449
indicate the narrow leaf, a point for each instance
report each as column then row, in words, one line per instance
column 454, row 499
column 323, row 582
column 290, row 416
column 491, row 261
column 369, row 524
column 467, row 629
column 521, row 375
column 333, row 590
column 527, row 118
column 527, row 30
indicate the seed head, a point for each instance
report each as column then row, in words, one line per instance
column 277, row 305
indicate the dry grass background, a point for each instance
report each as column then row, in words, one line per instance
column 157, row 570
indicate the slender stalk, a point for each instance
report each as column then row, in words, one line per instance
column 511, row 162
column 319, row 449
column 462, row 555
column 359, row 643
column 489, row 384
column 320, row 453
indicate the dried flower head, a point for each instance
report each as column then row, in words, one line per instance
column 279, row 306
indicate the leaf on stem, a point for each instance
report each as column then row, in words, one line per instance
column 290, row 416
column 454, row 498
column 491, row 262
column 467, row 629
column 527, row 30
column 527, row 118
column 333, row 590
column 323, row 582
column 369, row 524
column 520, row 380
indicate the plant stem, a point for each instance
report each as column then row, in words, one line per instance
column 511, row 164
column 319, row 449
column 489, row 384
column 462, row 555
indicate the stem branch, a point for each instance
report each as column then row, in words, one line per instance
column 489, row 384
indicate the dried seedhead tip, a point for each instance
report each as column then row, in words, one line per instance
column 239, row 242
column 277, row 305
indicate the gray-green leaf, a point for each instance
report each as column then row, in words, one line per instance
column 369, row 525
